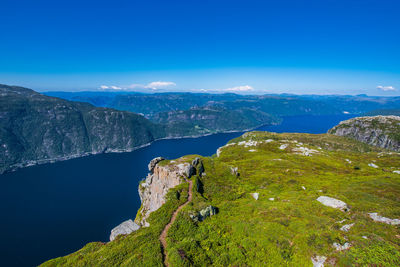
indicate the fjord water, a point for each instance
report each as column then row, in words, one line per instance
column 54, row 209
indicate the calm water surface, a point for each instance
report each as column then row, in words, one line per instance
column 54, row 209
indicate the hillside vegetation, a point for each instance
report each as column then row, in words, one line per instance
column 284, row 225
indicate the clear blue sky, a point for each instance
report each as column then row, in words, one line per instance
column 319, row 46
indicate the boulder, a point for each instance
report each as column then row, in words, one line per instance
column 186, row 169
column 204, row 213
column 154, row 162
column 333, row 203
column 124, row 228
column 374, row 216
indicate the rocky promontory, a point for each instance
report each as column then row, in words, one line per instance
column 380, row 131
column 161, row 178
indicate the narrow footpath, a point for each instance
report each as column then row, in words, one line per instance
column 163, row 236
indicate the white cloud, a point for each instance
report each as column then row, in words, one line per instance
column 160, row 85
column 242, row 88
column 105, row 87
column 386, row 88
column 135, row 86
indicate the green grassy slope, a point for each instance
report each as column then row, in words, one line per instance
column 285, row 231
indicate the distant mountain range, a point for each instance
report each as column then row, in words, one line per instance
column 278, row 105
column 36, row 128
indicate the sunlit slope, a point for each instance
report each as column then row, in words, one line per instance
column 286, row 225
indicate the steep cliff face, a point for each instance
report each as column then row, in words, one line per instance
column 380, row 131
column 161, row 178
column 35, row 128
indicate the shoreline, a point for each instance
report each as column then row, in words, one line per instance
column 30, row 163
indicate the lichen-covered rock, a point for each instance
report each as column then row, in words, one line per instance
column 124, row 228
column 374, row 216
column 333, row 202
column 235, row 171
column 203, row 214
column 196, row 161
column 186, row 169
column 346, row 227
column 340, row 247
column 199, row 166
column 380, row 131
column 154, row 189
column 154, row 162
column 318, row 261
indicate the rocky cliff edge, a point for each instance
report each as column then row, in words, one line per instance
column 380, row 131
column 161, row 178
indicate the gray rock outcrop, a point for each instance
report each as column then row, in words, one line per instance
column 154, row 189
column 124, row 228
column 374, row 216
column 380, row 131
column 204, row 213
column 198, row 164
column 340, row 247
column 153, row 163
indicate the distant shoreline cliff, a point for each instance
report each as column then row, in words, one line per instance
column 380, row 131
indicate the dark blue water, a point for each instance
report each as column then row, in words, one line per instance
column 54, row 209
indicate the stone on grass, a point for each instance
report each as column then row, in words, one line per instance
column 339, row 247
column 124, row 228
column 374, row 216
column 373, row 165
column 235, row 171
column 333, row 202
column 346, row 227
column 204, row 213
column 284, row 146
column 271, row 198
column 318, row 261
column 255, row 195
column 398, row 172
